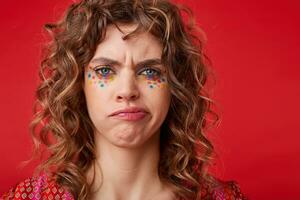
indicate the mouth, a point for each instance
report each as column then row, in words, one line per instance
column 130, row 114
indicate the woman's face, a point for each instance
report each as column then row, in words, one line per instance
column 127, row 74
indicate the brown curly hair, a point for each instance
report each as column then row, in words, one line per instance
column 61, row 123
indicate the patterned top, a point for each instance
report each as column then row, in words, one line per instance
column 43, row 188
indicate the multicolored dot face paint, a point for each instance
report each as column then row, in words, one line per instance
column 102, row 76
column 154, row 78
column 99, row 76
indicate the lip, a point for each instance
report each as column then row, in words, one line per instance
column 130, row 114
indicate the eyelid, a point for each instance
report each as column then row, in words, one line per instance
column 151, row 67
column 102, row 66
column 97, row 67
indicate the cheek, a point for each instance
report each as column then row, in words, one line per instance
column 94, row 90
column 156, row 89
column 98, row 81
column 96, row 109
column 156, row 92
column 154, row 82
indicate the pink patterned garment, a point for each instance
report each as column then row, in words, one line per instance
column 42, row 188
column 37, row 188
column 222, row 190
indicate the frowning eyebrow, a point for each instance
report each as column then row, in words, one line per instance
column 108, row 61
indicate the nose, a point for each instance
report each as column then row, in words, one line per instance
column 127, row 89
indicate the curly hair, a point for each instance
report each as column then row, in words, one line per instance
column 61, row 124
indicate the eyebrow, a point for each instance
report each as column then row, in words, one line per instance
column 109, row 61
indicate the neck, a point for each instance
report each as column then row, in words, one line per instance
column 127, row 173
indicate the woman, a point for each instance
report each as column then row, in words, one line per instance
column 122, row 107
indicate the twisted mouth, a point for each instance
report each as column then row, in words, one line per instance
column 129, row 110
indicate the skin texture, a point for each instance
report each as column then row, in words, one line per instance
column 127, row 151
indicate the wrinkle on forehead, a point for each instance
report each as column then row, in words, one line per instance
column 143, row 45
column 129, row 31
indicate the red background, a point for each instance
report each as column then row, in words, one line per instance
column 254, row 46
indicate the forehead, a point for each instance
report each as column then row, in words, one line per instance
column 140, row 44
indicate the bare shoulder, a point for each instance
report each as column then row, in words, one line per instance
column 167, row 193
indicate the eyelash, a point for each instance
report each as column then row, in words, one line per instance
column 156, row 71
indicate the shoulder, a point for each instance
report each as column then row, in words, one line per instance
column 38, row 187
column 216, row 189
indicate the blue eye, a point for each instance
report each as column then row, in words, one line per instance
column 108, row 71
column 103, row 71
column 151, row 72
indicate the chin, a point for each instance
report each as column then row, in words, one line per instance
column 127, row 140
column 121, row 143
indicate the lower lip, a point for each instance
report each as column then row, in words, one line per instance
column 130, row 116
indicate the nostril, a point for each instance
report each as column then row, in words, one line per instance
column 128, row 97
